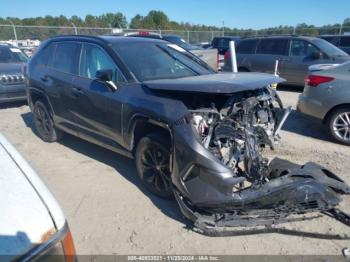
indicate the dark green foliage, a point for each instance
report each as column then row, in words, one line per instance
column 44, row 27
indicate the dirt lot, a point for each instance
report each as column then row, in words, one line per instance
column 109, row 212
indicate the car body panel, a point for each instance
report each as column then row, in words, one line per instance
column 29, row 211
column 341, row 41
column 318, row 101
column 222, row 44
column 224, row 83
column 14, row 89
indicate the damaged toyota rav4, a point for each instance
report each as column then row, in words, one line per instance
column 195, row 134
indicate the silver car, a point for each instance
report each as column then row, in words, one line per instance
column 326, row 96
column 32, row 224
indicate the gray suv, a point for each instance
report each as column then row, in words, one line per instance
column 295, row 55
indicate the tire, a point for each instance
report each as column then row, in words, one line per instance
column 152, row 157
column 243, row 69
column 339, row 125
column 44, row 123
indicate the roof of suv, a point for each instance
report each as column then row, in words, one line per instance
column 280, row 36
column 108, row 38
column 227, row 37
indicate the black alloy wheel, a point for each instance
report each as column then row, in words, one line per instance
column 153, row 164
column 44, row 124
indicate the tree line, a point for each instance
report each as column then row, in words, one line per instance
column 154, row 20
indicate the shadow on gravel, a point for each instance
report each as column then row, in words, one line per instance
column 306, row 126
column 290, row 88
column 123, row 165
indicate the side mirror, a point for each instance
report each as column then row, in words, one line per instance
column 315, row 55
column 104, row 75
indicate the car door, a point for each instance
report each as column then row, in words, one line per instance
column 58, row 80
column 98, row 107
column 302, row 55
column 268, row 51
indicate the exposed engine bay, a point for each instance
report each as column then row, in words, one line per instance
column 238, row 133
column 261, row 192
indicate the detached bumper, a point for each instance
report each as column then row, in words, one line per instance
column 9, row 93
column 207, row 184
column 197, row 174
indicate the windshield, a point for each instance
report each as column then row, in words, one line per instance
column 328, row 48
column 180, row 42
column 10, row 54
column 151, row 61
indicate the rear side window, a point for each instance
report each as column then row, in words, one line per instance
column 65, row 57
column 345, row 41
column 302, row 48
column 247, row 46
column 273, row 47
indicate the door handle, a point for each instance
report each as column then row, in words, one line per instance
column 77, row 91
column 44, row 78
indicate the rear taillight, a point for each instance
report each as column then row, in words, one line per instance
column 315, row 80
column 144, row 33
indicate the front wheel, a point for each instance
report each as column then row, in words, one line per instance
column 339, row 125
column 152, row 158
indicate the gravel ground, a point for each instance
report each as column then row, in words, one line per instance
column 109, row 212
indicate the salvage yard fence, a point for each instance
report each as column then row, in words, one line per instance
column 34, row 32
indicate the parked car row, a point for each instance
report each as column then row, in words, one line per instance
column 195, row 134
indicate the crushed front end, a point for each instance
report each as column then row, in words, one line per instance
column 221, row 177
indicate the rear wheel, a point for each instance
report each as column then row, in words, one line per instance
column 152, row 158
column 44, row 123
column 339, row 125
column 243, row 69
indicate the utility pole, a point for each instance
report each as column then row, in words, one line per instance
column 75, row 28
column 14, row 30
column 223, row 27
column 341, row 28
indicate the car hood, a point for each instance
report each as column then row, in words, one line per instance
column 11, row 68
column 221, row 83
column 341, row 59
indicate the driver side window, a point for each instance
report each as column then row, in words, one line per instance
column 302, row 48
column 94, row 58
